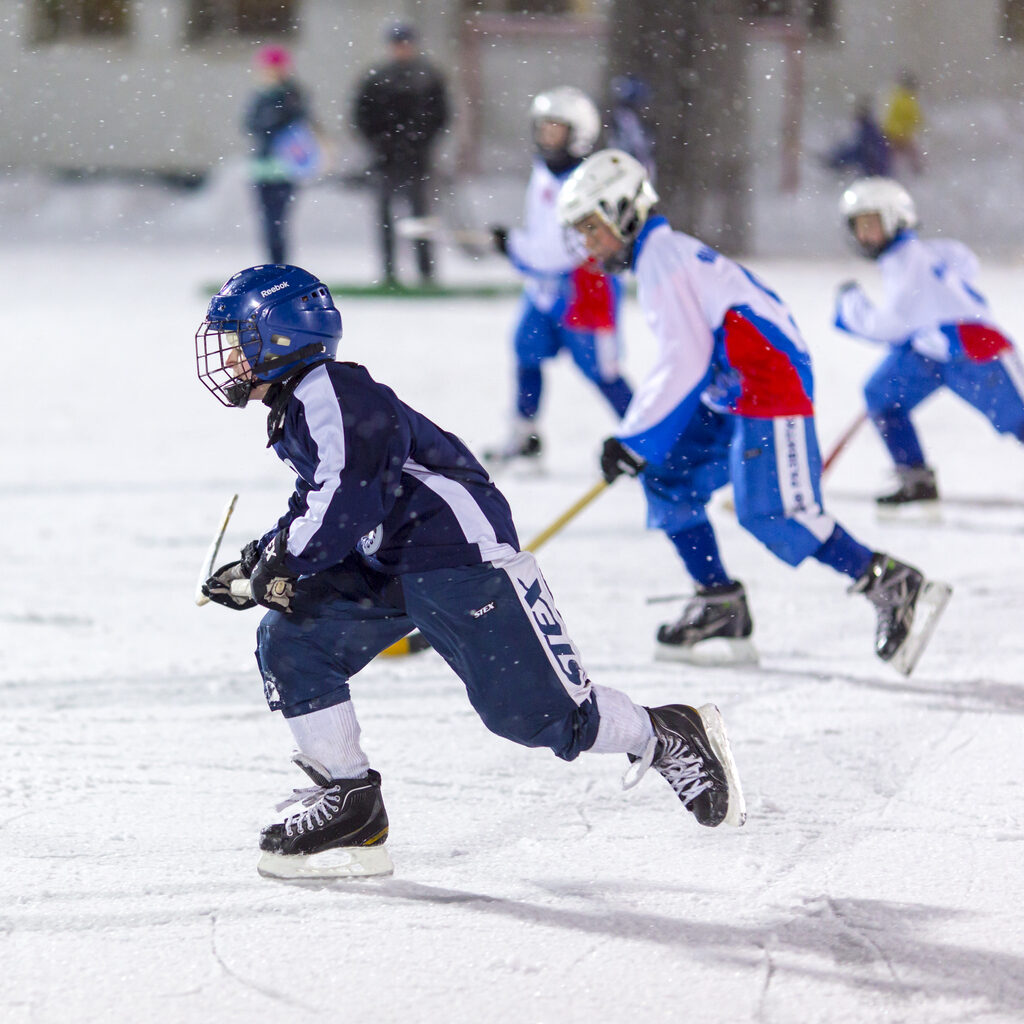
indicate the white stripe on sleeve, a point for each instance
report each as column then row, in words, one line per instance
column 323, row 420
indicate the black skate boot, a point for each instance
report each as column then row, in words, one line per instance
column 714, row 629
column 908, row 608
column 528, row 447
column 690, row 749
column 523, row 447
column 917, row 494
column 341, row 831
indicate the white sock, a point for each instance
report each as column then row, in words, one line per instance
column 625, row 727
column 331, row 737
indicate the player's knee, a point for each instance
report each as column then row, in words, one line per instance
column 565, row 734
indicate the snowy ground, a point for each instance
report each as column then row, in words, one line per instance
column 878, row 876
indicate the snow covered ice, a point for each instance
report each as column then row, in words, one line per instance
column 878, row 876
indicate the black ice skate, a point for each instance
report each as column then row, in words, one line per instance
column 916, row 496
column 523, row 449
column 908, row 608
column 340, row 833
column 714, row 629
column 690, row 749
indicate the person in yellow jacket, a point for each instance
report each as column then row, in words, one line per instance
column 903, row 122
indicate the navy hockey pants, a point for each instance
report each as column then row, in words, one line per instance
column 495, row 625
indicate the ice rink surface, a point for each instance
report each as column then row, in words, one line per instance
column 879, row 876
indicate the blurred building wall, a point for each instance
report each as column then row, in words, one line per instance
column 154, row 101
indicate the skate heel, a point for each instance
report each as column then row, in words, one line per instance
column 931, row 602
column 714, row 726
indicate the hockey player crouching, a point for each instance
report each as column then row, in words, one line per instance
column 730, row 399
column 394, row 525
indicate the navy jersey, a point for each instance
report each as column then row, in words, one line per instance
column 377, row 477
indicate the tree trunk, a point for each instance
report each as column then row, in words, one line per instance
column 691, row 53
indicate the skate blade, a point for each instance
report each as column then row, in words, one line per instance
column 341, row 862
column 931, row 603
column 714, row 726
column 911, row 513
column 718, row 651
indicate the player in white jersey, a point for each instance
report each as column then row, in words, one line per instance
column 567, row 303
column 730, row 398
column 936, row 325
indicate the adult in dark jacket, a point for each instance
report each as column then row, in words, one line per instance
column 277, row 104
column 400, row 109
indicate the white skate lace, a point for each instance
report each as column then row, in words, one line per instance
column 683, row 769
column 321, row 802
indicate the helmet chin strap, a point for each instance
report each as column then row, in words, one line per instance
column 238, row 393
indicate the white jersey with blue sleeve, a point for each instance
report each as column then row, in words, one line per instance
column 723, row 338
column 930, row 301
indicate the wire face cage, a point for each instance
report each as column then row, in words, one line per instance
column 221, row 361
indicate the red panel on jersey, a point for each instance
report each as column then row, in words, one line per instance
column 982, row 344
column 593, row 302
column 769, row 383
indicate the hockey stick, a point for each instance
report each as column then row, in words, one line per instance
column 843, row 440
column 416, row 642
column 206, row 571
column 430, row 229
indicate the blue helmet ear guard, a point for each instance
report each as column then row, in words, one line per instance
column 265, row 324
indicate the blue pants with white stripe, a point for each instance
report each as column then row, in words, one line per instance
column 495, row 625
column 774, row 466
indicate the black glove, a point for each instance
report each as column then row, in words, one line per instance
column 617, row 459
column 218, row 587
column 499, row 236
column 273, row 586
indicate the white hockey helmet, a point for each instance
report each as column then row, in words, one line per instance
column 888, row 198
column 613, row 185
column 574, row 108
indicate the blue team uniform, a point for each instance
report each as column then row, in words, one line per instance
column 567, row 302
column 394, row 525
column 730, row 398
column 940, row 333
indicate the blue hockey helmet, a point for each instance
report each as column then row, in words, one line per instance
column 264, row 324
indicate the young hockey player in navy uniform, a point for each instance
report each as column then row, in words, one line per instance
column 568, row 303
column 937, row 326
column 394, row 524
column 730, row 398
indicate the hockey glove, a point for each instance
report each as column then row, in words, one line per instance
column 617, row 460
column 499, row 236
column 218, row 587
column 273, row 586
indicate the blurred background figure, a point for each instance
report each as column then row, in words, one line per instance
column 903, row 122
column 568, row 302
column 400, row 109
column 284, row 149
column 629, row 128
column 865, row 151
